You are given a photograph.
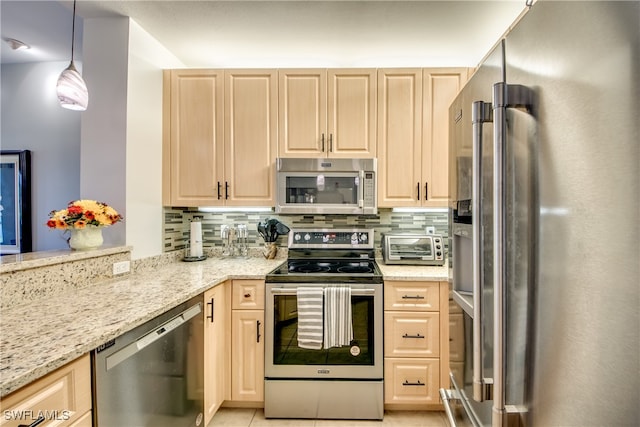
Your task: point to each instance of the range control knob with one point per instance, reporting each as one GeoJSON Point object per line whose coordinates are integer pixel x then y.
{"type": "Point", "coordinates": [364, 237]}
{"type": "Point", "coordinates": [307, 237]}
{"type": "Point", "coordinates": [297, 237]}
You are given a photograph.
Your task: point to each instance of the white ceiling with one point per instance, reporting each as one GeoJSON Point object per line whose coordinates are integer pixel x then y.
{"type": "Point", "coordinates": [208, 33]}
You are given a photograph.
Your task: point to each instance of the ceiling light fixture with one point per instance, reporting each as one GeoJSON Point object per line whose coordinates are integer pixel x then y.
{"type": "Point", "coordinates": [17, 44]}
{"type": "Point", "coordinates": [72, 91]}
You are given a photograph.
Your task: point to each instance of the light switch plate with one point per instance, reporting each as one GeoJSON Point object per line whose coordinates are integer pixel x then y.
{"type": "Point", "coordinates": [431, 229]}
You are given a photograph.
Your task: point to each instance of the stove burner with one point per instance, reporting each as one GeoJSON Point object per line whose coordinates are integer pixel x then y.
{"type": "Point", "coordinates": [307, 269]}
{"type": "Point", "coordinates": [355, 268]}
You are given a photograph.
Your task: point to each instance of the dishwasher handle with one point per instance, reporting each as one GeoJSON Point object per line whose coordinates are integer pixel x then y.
{"type": "Point", "coordinates": [128, 351]}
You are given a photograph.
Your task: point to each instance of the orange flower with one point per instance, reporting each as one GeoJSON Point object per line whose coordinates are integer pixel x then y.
{"type": "Point", "coordinates": [80, 224]}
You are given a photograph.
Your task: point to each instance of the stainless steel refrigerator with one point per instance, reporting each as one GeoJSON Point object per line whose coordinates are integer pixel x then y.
{"type": "Point", "coordinates": [545, 268]}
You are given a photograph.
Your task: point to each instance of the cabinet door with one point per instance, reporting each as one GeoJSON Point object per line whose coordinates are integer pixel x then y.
{"type": "Point", "coordinates": [302, 108]}
{"type": "Point", "coordinates": [351, 118]}
{"type": "Point", "coordinates": [64, 393]}
{"type": "Point", "coordinates": [247, 355]}
{"type": "Point", "coordinates": [196, 136]}
{"type": "Point", "coordinates": [440, 89]}
{"type": "Point", "coordinates": [250, 137]}
{"type": "Point", "coordinates": [399, 137]}
{"type": "Point", "coordinates": [215, 345]}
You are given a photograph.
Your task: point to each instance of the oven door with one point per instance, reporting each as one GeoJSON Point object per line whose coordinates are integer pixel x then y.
{"type": "Point", "coordinates": [285, 359]}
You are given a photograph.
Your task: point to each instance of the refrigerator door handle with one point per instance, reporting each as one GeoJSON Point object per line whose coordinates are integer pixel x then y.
{"type": "Point", "coordinates": [504, 96]}
{"type": "Point", "coordinates": [480, 113]}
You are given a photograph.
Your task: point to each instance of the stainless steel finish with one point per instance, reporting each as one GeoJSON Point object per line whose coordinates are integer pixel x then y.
{"type": "Point", "coordinates": [149, 338]}
{"type": "Point", "coordinates": [365, 238]}
{"type": "Point", "coordinates": [292, 291]}
{"type": "Point", "coordinates": [506, 96]}
{"type": "Point", "coordinates": [446, 396]}
{"type": "Point", "coordinates": [148, 376]}
{"type": "Point", "coordinates": [324, 399]}
{"type": "Point", "coordinates": [585, 300]}
{"type": "Point", "coordinates": [481, 113]}
{"type": "Point", "coordinates": [567, 168]}
{"type": "Point", "coordinates": [353, 372]}
{"type": "Point", "coordinates": [362, 171]}
{"type": "Point", "coordinates": [407, 248]}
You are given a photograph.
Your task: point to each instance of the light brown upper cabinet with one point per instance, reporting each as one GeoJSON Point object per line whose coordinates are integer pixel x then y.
{"type": "Point", "coordinates": [327, 113]}
{"type": "Point", "coordinates": [193, 137]}
{"type": "Point", "coordinates": [250, 136]}
{"type": "Point", "coordinates": [413, 111]}
{"type": "Point", "coordinates": [221, 144]}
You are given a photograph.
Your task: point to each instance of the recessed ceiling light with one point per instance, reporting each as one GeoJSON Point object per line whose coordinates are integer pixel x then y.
{"type": "Point", "coordinates": [17, 44]}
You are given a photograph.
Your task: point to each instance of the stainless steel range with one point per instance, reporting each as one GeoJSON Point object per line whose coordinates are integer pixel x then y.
{"type": "Point", "coordinates": [323, 328]}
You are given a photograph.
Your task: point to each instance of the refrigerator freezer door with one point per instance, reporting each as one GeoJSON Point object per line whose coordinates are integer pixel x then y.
{"type": "Point", "coordinates": [582, 60]}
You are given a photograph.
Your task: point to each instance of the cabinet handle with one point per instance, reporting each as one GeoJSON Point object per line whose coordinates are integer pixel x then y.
{"type": "Point", "coordinates": [323, 142]}
{"type": "Point", "coordinates": [258, 331]}
{"type": "Point", "coordinates": [426, 193]}
{"type": "Point", "coordinates": [211, 316]}
{"type": "Point", "coordinates": [247, 295]}
{"type": "Point", "coordinates": [419, 383]}
{"type": "Point", "coordinates": [37, 422]}
{"type": "Point", "coordinates": [331, 143]}
{"type": "Point", "coordinates": [412, 297]}
{"type": "Point", "coordinates": [418, 187]}
{"type": "Point", "coordinates": [219, 187]}
{"type": "Point", "coordinates": [226, 190]}
{"type": "Point", "coordinates": [413, 336]}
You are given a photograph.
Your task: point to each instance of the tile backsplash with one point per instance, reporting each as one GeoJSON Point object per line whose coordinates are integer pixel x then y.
{"type": "Point", "coordinates": [177, 224]}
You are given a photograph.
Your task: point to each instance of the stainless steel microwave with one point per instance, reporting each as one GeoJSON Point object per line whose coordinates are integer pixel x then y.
{"type": "Point", "coordinates": [326, 186]}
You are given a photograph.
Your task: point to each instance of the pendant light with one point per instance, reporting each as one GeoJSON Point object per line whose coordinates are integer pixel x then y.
{"type": "Point", "coordinates": [71, 89]}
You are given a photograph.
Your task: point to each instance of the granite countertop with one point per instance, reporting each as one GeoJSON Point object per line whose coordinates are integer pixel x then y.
{"type": "Point", "coordinates": [39, 338]}
{"type": "Point", "coordinates": [414, 272]}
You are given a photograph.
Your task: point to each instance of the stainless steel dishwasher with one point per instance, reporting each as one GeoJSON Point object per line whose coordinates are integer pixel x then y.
{"type": "Point", "coordinates": [153, 374]}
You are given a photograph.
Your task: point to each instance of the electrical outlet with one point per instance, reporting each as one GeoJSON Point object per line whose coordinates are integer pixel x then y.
{"type": "Point", "coordinates": [121, 267]}
{"type": "Point", "coordinates": [431, 229]}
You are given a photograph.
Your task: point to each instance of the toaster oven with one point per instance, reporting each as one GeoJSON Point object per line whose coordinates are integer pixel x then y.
{"type": "Point", "coordinates": [413, 249]}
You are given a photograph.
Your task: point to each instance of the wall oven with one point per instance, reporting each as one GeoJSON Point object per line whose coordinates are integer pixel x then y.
{"type": "Point", "coordinates": [329, 381]}
{"type": "Point", "coordinates": [326, 186]}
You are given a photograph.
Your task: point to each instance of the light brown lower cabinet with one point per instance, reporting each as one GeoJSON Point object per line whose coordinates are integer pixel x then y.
{"type": "Point", "coordinates": [416, 348]}
{"type": "Point", "coordinates": [216, 349]}
{"type": "Point", "coordinates": [62, 397]}
{"type": "Point", "coordinates": [247, 342]}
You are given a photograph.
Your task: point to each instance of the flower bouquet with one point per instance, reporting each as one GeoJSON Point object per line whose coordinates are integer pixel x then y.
{"type": "Point", "coordinates": [84, 219]}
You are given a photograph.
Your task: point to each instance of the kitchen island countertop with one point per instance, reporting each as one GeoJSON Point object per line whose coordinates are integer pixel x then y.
{"type": "Point", "coordinates": [38, 338]}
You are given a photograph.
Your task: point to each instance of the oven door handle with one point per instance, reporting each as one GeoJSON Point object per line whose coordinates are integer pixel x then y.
{"type": "Point", "coordinates": [292, 291]}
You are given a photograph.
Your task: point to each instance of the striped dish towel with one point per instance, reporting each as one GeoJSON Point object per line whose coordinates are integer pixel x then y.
{"type": "Point", "coordinates": [310, 318]}
{"type": "Point", "coordinates": [338, 325]}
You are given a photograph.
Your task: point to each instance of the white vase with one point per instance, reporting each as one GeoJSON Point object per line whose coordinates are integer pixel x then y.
{"type": "Point", "coordinates": [87, 238]}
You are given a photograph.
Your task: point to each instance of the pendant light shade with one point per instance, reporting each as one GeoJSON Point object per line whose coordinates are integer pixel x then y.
{"type": "Point", "coordinates": [71, 89]}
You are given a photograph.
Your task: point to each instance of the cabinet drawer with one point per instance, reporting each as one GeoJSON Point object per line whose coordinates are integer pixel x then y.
{"type": "Point", "coordinates": [412, 296]}
{"type": "Point", "coordinates": [248, 295]}
{"type": "Point", "coordinates": [411, 334]}
{"type": "Point", "coordinates": [411, 381]}
{"type": "Point", "coordinates": [456, 338]}
{"type": "Point", "coordinates": [63, 395]}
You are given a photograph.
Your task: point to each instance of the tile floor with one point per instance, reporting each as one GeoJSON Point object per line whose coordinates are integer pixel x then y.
{"type": "Point", "coordinates": [234, 417]}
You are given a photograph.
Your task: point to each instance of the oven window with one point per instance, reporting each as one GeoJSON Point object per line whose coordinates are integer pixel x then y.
{"type": "Point", "coordinates": [412, 247]}
{"type": "Point", "coordinates": [287, 352]}
{"type": "Point", "coordinates": [323, 189]}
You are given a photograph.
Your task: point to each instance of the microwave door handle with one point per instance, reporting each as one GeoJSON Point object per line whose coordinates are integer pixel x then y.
{"type": "Point", "coordinates": [480, 113]}
{"type": "Point", "coordinates": [361, 190]}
